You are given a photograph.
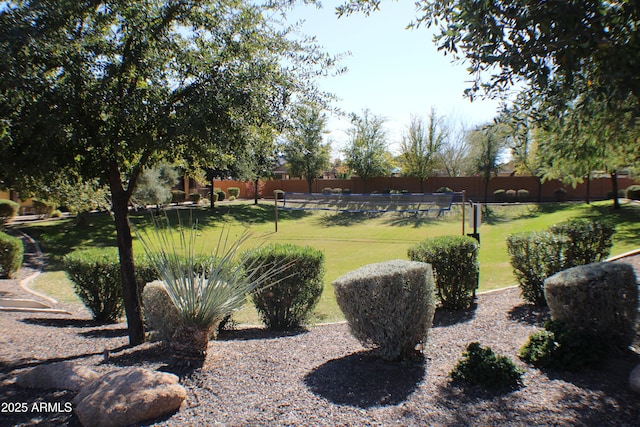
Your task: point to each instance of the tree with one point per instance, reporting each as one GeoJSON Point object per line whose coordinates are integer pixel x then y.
{"type": "Point", "coordinates": [304, 151]}
{"type": "Point", "coordinates": [421, 145]}
{"type": "Point", "coordinates": [453, 156]}
{"type": "Point", "coordinates": [155, 183]}
{"type": "Point", "coordinates": [113, 87]}
{"type": "Point", "coordinates": [487, 148]}
{"type": "Point", "coordinates": [366, 153]}
{"type": "Point", "coordinates": [259, 158]}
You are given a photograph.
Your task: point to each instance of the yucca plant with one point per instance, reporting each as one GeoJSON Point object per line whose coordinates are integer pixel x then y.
{"type": "Point", "coordinates": [203, 289]}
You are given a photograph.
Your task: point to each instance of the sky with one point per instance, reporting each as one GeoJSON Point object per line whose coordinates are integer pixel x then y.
{"type": "Point", "coordinates": [392, 71]}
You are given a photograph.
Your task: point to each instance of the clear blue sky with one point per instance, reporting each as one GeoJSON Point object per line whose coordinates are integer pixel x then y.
{"type": "Point", "coordinates": [392, 71]}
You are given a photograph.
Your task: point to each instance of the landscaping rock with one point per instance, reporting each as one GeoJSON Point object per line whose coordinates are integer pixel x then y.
{"type": "Point", "coordinates": [634, 379]}
{"type": "Point", "coordinates": [60, 375]}
{"type": "Point", "coordinates": [128, 396]}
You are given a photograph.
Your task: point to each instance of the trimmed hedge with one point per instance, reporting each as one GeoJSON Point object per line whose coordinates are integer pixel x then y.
{"type": "Point", "coordinates": [633, 192]}
{"type": "Point", "coordinates": [454, 260]}
{"type": "Point", "coordinates": [11, 255]}
{"type": "Point", "coordinates": [522, 195]}
{"type": "Point", "coordinates": [42, 207]}
{"type": "Point", "coordinates": [389, 306]}
{"type": "Point", "coordinates": [234, 192]}
{"type": "Point", "coordinates": [587, 241]}
{"type": "Point", "coordinates": [195, 197]}
{"type": "Point", "coordinates": [8, 210]}
{"type": "Point", "coordinates": [287, 304]}
{"type": "Point", "coordinates": [178, 196]}
{"type": "Point", "coordinates": [95, 274]}
{"type": "Point", "coordinates": [500, 195]}
{"type": "Point", "coordinates": [599, 300]}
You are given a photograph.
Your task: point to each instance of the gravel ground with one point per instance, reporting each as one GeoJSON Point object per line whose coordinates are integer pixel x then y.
{"type": "Point", "coordinates": [323, 376]}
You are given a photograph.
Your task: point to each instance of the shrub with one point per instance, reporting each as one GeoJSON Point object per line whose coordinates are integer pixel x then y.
{"type": "Point", "coordinates": [177, 196]}
{"type": "Point", "coordinates": [231, 198]}
{"type": "Point", "coordinates": [444, 190]}
{"type": "Point", "coordinates": [633, 192]}
{"type": "Point", "coordinates": [8, 210]}
{"type": "Point", "coordinates": [289, 301]}
{"type": "Point", "coordinates": [510, 195]}
{"type": "Point", "coordinates": [586, 241]}
{"type": "Point", "coordinates": [42, 208]}
{"type": "Point", "coordinates": [234, 192]}
{"type": "Point", "coordinates": [454, 260]}
{"type": "Point", "coordinates": [499, 195]}
{"type": "Point", "coordinates": [327, 190]}
{"type": "Point", "coordinates": [599, 299]}
{"type": "Point", "coordinates": [346, 191]}
{"type": "Point", "coordinates": [389, 306]}
{"type": "Point", "coordinates": [558, 347]}
{"type": "Point", "coordinates": [195, 197]}
{"type": "Point", "coordinates": [522, 195]}
{"type": "Point", "coordinates": [336, 190]}
{"type": "Point", "coordinates": [221, 195]}
{"type": "Point", "coordinates": [160, 314]}
{"type": "Point", "coordinates": [560, 195]}
{"type": "Point", "coordinates": [534, 257]}
{"type": "Point", "coordinates": [481, 366]}
{"type": "Point", "coordinates": [95, 274]}
{"type": "Point", "coordinates": [11, 254]}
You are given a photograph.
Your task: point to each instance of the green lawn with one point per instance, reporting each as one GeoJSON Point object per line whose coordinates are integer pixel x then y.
{"type": "Point", "coordinates": [348, 240]}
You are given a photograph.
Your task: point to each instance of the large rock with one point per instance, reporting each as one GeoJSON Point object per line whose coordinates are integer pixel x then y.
{"type": "Point", "coordinates": [60, 375]}
{"type": "Point", "coordinates": [128, 396]}
{"type": "Point", "coordinates": [634, 379]}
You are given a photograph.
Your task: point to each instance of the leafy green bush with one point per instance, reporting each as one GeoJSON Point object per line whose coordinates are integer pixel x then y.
{"type": "Point", "coordinates": [288, 302]}
{"type": "Point", "coordinates": [499, 195]}
{"type": "Point", "coordinates": [221, 195]}
{"type": "Point", "coordinates": [346, 191]}
{"type": "Point", "coordinates": [522, 195]}
{"type": "Point", "coordinates": [534, 257]}
{"type": "Point", "coordinates": [177, 196]}
{"type": "Point", "coordinates": [336, 190]}
{"type": "Point", "coordinates": [389, 306]}
{"type": "Point", "coordinates": [42, 207]}
{"type": "Point", "coordinates": [95, 274]}
{"type": "Point", "coordinates": [195, 197]}
{"type": "Point", "coordinates": [11, 254]}
{"type": "Point", "coordinates": [454, 260]}
{"type": "Point", "coordinates": [8, 210]}
{"type": "Point", "coordinates": [234, 192]}
{"type": "Point", "coordinates": [559, 347]}
{"type": "Point", "coordinates": [510, 195]}
{"type": "Point", "coordinates": [481, 366]}
{"type": "Point", "coordinates": [586, 241]}
{"type": "Point", "coordinates": [633, 192]}
{"type": "Point", "coordinates": [560, 195]}
{"type": "Point", "coordinates": [327, 190]}
{"type": "Point", "coordinates": [599, 300]}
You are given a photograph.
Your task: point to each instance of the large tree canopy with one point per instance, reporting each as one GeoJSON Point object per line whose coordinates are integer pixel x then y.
{"type": "Point", "coordinates": [105, 88]}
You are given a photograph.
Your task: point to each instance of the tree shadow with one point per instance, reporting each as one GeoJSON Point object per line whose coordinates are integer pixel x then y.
{"type": "Point", "coordinates": [344, 219]}
{"type": "Point", "coordinates": [417, 220]}
{"type": "Point", "coordinates": [62, 323]}
{"type": "Point", "coordinates": [105, 333]}
{"type": "Point", "coordinates": [248, 334]}
{"type": "Point", "coordinates": [364, 381]}
{"type": "Point", "coordinates": [443, 317]}
{"type": "Point", "coordinates": [529, 314]}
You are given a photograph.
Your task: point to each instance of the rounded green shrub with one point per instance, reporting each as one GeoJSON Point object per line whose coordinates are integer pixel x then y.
{"type": "Point", "coordinates": [221, 195]}
{"type": "Point", "coordinates": [599, 299]}
{"type": "Point", "coordinates": [560, 195]}
{"type": "Point", "coordinates": [195, 197]}
{"type": "Point", "coordinates": [454, 260]}
{"type": "Point", "coordinates": [288, 302]}
{"type": "Point", "coordinates": [586, 241]}
{"type": "Point", "coordinates": [389, 306]}
{"type": "Point", "coordinates": [8, 210]}
{"type": "Point", "coordinates": [178, 196]}
{"type": "Point", "coordinates": [160, 314]}
{"type": "Point", "coordinates": [633, 192]}
{"type": "Point", "coordinates": [234, 192]}
{"type": "Point", "coordinates": [499, 195]}
{"type": "Point", "coordinates": [510, 195]}
{"type": "Point", "coordinates": [535, 256]}
{"type": "Point", "coordinates": [522, 195]}
{"type": "Point", "coordinates": [327, 191]}
{"type": "Point", "coordinates": [481, 366]}
{"type": "Point", "coordinates": [95, 274]}
{"type": "Point", "coordinates": [11, 255]}
{"type": "Point", "coordinates": [336, 190]}
{"type": "Point", "coordinates": [42, 207]}
{"type": "Point", "coordinates": [346, 191]}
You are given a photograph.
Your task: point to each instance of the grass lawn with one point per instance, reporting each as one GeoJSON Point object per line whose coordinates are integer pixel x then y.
{"type": "Point", "coordinates": [348, 240]}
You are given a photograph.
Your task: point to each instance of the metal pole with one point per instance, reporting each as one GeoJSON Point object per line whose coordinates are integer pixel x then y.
{"type": "Point", "coordinates": [275, 198]}
{"type": "Point", "coordinates": [464, 208]}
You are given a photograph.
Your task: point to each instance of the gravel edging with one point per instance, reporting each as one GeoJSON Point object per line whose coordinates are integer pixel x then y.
{"type": "Point", "coordinates": [323, 376]}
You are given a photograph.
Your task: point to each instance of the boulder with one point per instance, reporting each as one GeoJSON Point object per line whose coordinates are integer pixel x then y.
{"type": "Point", "coordinates": [634, 379]}
{"type": "Point", "coordinates": [128, 396]}
{"type": "Point", "coordinates": [61, 375]}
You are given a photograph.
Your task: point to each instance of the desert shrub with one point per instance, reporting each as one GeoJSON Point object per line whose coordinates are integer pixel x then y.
{"type": "Point", "coordinates": [510, 195]}
{"type": "Point", "coordinates": [234, 192]}
{"type": "Point", "coordinates": [389, 306]}
{"type": "Point", "coordinates": [633, 192]}
{"type": "Point", "coordinates": [444, 190]}
{"type": "Point", "coordinates": [231, 198]}
{"type": "Point", "coordinates": [95, 274]}
{"type": "Point", "coordinates": [178, 196]}
{"type": "Point", "coordinates": [56, 214]}
{"type": "Point", "coordinates": [599, 299]}
{"type": "Point", "coordinates": [499, 195]}
{"type": "Point", "coordinates": [221, 195]}
{"type": "Point", "coordinates": [559, 347]}
{"type": "Point", "coordinates": [287, 303]}
{"type": "Point", "coordinates": [346, 191]}
{"type": "Point", "coordinates": [11, 254]}
{"type": "Point", "coordinates": [42, 207]}
{"type": "Point", "coordinates": [522, 195]}
{"type": "Point", "coordinates": [560, 195]}
{"type": "Point", "coordinates": [336, 190]}
{"type": "Point", "coordinates": [195, 197]}
{"type": "Point", "coordinates": [327, 190]}
{"type": "Point", "coordinates": [481, 366]}
{"type": "Point", "coordinates": [454, 260]}
{"type": "Point", "coordinates": [8, 210]}
{"type": "Point", "coordinates": [160, 314]}
{"type": "Point", "coordinates": [586, 241]}
{"type": "Point", "coordinates": [535, 256]}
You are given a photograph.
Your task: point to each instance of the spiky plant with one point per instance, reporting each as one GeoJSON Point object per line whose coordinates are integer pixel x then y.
{"type": "Point", "coordinates": [203, 289]}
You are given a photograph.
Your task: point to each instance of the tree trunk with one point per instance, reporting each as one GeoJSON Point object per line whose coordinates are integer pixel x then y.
{"type": "Point", "coordinates": [539, 189]}
{"type": "Point", "coordinates": [588, 196]}
{"type": "Point", "coordinates": [255, 191]}
{"type": "Point", "coordinates": [614, 188]}
{"type": "Point", "coordinates": [310, 184]}
{"type": "Point", "coordinates": [120, 200]}
{"type": "Point", "coordinates": [189, 345]}
{"type": "Point", "coordinates": [422, 185]}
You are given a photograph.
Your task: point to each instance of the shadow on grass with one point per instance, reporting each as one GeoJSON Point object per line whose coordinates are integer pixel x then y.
{"type": "Point", "coordinates": [344, 219]}
{"type": "Point", "coordinates": [529, 314]}
{"type": "Point", "coordinates": [364, 381]}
